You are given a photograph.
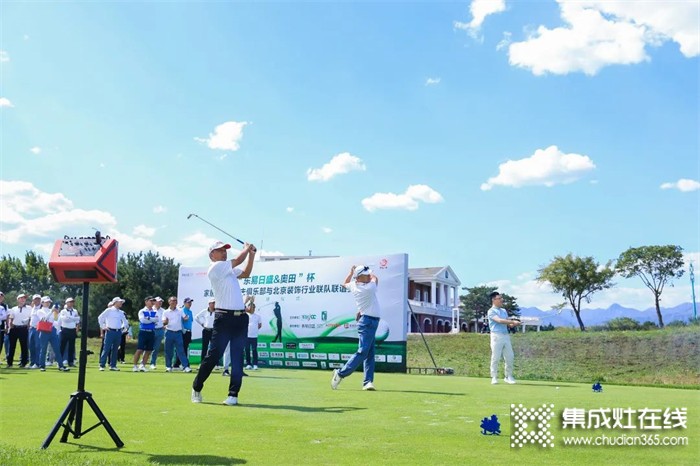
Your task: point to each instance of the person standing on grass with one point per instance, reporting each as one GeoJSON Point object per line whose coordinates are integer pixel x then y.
{"type": "Point", "coordinates": [363, 284]}
{"type": "Point", "coordinates": [205, 318]}
{"type": "Point", "coordinates": [3, 322]}
{"type": "Point", "coordinates": [186, 329]}
{"type": "Point", "coordinates": [70, 325]}
{"type": "Point", "coordinates": [47, 314]}
{"type": "Point", "coordinates": [159, 331]}
{"type": "Point", "coordinates": [147, 338]}
{"type": "Point", "coordinates": [172, 320]}
{"type": "Point", "coordinates": [17, 322]}
{"type": "Point", "coordinates": [112, 321]}
{"type": "Point", "coordinates": [254, 324]}
{"type": "Point", "coordinates": [231, 321]}
{"type": "Point", "coordinates": [500, 338]}
{"type": "Point", "coordinates": [34, 344]}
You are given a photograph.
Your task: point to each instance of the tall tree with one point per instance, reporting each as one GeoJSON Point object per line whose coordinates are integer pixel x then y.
{"type": "Point", "coordinates": [476, 303]}
{"type": "Point", "coordinates": [655, 265]}
{"type": "Point", "coordinates": [146, 274]}
{"type": "Point", "coordinates": [576, 278]}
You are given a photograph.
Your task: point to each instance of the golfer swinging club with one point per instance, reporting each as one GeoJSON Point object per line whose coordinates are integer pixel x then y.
{"type": "Point", "coordinates": [230, 319]}
{"type": "Point", "coordinates": [363, 286]}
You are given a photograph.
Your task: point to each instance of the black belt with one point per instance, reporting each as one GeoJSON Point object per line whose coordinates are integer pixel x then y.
{"type": "Point", "coordinates": [67, 328]}
{"type": "Point", "coordinates": [20, 326]}
{"type": "Point", "coordinates": [115, 329]}
{"type": "Point", "coordinates": [235, 312]}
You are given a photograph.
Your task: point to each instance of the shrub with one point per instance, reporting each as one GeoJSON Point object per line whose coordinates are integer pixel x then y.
{"type": "Point", "coordinates": [676, 323]}
{"type": "Point", "coordinates": [623, 323]}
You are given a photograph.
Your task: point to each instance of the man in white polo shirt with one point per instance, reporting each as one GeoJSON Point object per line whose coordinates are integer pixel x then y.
{"type": "Point", "coordinates": [17, 328]}
{"type": "Point", "coordinates": [231, 321]}
{"type": "Point", "coordinates": [112, 321]}
{"type": "Point", "coordinates": [363, 286]}
{"type": "Point", "coordinates": [172, 320]}
{"type": "Point", "coordinates": [34, 343]}
{"type": "Point", "coordinates": [205, 318]}
{"type": "Point", "coordinates": [70, 324]}
{"type": "Point", "coordinates": [159, 331]}
{"type": "Point", "coordinates": [500, 338]}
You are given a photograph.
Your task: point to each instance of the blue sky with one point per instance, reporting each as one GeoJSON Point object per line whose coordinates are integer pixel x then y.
{"type": "Point", "coordinates": [488, 135]}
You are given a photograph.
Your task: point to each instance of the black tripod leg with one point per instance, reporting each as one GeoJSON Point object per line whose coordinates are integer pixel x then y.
{"type": "Point", "coordinates": [117, 441]}
{"type": "Point", "coordinates": [71, 417]}
{"type": "Point", "coordinates": [68, 412]}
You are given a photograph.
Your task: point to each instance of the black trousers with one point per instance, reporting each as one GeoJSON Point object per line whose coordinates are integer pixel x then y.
{"type": "Point", "coordinates": [121, 352]}
{"type": "Point", "coordinates": [186, 340]}
{"type": "Point", "coordinates": [251, 347]}
{"type": "Point", "coordinates": [68, 336]}
{"type": "Point", "coordinates": [228, 329]}
{"type": "Point", "coordinates": [206, 338]}
{"type": "Point", "coordinates": [21, 334]}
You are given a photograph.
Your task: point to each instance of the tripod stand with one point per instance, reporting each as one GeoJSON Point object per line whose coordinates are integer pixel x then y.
{"type": "Point", "coordinates": [422, 336]}
{"type": "Point", "coordinates": [74, 409]}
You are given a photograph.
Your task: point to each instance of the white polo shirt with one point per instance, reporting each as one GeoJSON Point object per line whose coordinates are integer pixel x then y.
{"type": "Point", "coordinates": [224, 281]}
{"type": "Point", "coordinates": [112, 318]}
{"type": "Point", "coordinates": [365, 297]}
{"type": "Point", "coordinates": [33, 317]}
{"type": "Point", "coordinates": [69, 318]}
{"type": "Point", "coordinates": [20, 315]}
{"type": "Point", "coordinates": [174, 317]}
{"type": "Point", "coordinates": [205, 318]}
{"type": "Point", "coordinates": [159, 316]}
{"type": "Point", "coordinates": [253, 322]}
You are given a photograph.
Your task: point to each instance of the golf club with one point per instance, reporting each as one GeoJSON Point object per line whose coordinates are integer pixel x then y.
{"type": "Point", "coordinates": [209, 223]}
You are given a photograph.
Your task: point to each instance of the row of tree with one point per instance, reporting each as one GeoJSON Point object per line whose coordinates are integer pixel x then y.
{"type": "Point", "coordinates": [144, 274]}
{"type": "Point", "coordinates": [578, 278]}
{"type": "Point", "coordinates": [140, 275]}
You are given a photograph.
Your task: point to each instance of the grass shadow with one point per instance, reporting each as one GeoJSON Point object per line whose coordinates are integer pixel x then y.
{"type": "Point", "coordinates": [194, 459]}
{"type": "Point", "coordinates": [305, 409]}
{"type": "Point", "coordinates": [424, 392]}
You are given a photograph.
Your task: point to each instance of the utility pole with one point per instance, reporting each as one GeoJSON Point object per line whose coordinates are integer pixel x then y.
{"type": "Point", "coordinates": [692, 288]}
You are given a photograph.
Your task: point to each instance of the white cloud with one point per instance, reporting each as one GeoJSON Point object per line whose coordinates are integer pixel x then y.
{"type": "Point", "coordinates": [226, 136]}
{"type": "Point", "coordinates": [144, 231]}
{"type": "Point", "coordinates": [685, 185]}
{"type": "Point", "coordinates": [159, 209]}
{"type": "Point", "coordinates": [546, 167]}
{"type": "Point", "coordinates": [290, 209]}
{"type": "Point", "coordinates": [432, 81]}
{"type": "Point", "coordinates": [505, 41]}
{"type": "Point", "coordinates": [327, 230]}
{"type": "Point", "coordinates": [406, 201]}
{"type": "Point", "coordinates": [4, 56]}
{"type": "Point", "coordinates": [479, 10]}
{"type": "Point", "coordinates": [35, 150]}
{"type": "Point", "coordinates": [29, 214]}
{"type": "Point", "coordinates": [340, 164]}
{"type": "Point", "coordinates": [603, 33]}
{"type": "Point", "coordinates": [5, 102]}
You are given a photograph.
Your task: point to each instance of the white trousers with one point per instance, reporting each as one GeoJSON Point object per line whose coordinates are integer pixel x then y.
{"type": "Point", "coordinates": [500, 345]}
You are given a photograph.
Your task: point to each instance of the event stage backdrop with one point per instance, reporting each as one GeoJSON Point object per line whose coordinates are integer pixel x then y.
{"type": "Point", "coordinates": [316, 314]}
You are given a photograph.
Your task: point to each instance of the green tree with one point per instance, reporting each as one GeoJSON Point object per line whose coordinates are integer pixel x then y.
{"type": "Point", "coordinates": [576, 278]}
{"type": "Point", "coordinates": [11, 277]}
{"type": "Point", "coordinates": [145, 274]}
{"type": "Point", "coordinates": [655, 265]}
{"type": "Point", "coordinates": [476, 303]}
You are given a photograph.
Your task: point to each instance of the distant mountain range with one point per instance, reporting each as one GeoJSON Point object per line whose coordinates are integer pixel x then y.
{"type": "Point", "coordinates": [566, 317]}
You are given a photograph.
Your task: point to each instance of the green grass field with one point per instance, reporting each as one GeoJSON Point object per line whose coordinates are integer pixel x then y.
{"type": "Point", "coordinates": [293, 417]}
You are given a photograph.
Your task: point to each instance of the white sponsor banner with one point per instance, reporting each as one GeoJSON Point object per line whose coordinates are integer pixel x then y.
{"type": "Point", "coordinates": [306, 299]}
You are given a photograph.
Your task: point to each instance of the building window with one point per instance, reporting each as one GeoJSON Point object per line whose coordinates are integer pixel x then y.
{"type": "Point", "coordinates": [417, 297]}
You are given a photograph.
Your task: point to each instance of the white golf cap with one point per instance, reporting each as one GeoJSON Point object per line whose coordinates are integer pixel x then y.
{"type": "Point", "coordinates": [361, 270]}
{"type": "Point", "coordinates": [219, 245]}
{"type": "Point", "coordinates": [117, 300]}
{"type": "Point", "coordinates": [36, 296]}
{"type": "Point", "coordinates": [69, 300]}
{"type": "Point", "coordinates": [159, 299]}
{"type": "Point", "coordinates": [211, 300]}
{"type": "Point", "coordinates": [21, 295]}
{"type": "Point", "coordinates": [46, 299]}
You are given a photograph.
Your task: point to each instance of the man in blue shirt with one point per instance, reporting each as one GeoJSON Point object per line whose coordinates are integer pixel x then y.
{"type": "Point", "coordinates": [186, 329]}
{"type": "Point", "coordinates": [500, 338]}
